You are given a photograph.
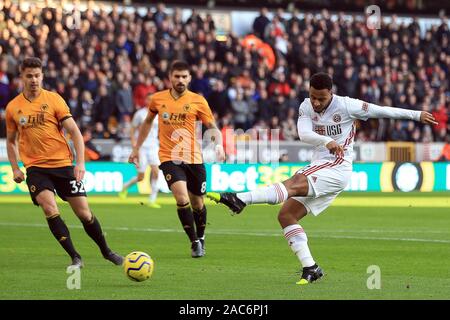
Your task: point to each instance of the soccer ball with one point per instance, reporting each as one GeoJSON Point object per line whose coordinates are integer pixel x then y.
{"type": "Point", "coordinates": [138, 266]}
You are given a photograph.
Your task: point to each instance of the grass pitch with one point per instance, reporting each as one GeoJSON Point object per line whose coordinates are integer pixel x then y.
{"type": "Point", "coordinates": [406, 235]}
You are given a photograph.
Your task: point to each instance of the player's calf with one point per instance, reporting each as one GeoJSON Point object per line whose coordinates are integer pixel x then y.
{"type": "Point", "coordinates": [62, 235]}
{"type": "Point", "coordinates": [94, 230]}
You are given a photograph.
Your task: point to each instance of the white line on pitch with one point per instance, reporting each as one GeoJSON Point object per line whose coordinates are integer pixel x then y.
{"type": "Point", "coordinates": [224, 232]}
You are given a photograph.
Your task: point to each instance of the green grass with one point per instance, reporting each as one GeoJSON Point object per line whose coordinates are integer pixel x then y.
{"type": "Point", "coordinates": [247, 256]}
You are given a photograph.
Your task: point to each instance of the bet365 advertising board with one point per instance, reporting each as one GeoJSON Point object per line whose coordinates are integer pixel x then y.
{"type": "Point", "coordinates": [109, 177]}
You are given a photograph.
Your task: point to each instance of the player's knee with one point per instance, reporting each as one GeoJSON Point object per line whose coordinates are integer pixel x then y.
{"type": "Point", "coordinates": [197, 205]}
{"type": "Point", "coordinates": [84, 215]}
{"type": "Point", "coordinates": [298, 185]}
{"type": "Point", "coordinates": [154, 174]}
{"type": "Point", "coordinates": [50, 209]}
{"type": "Point", "coordinates": [182, 200]}
{"type": "Point", "coordinates": [140, 177]}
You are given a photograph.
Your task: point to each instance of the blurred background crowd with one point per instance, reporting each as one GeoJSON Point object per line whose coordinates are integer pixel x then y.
{"type": "Point", "coordinates": [104, 63]}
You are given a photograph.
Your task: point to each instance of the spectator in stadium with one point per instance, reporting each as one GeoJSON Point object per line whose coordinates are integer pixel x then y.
{"type": "Point", "coordinates": [289, 129]}
{"type": "Point", "coordinates": [260, 23]}
{"type": "Point", "coordinates": [278, 106]}
{"type": "Point", "coordinates": [398, 133]}
{"type": "Point", "coordinates": [141, 89]}
{"type": "Point", "coordinates": [200, 83]}
{"type": "Point", "coordinates": [124, 101]}
{"type": "Point", "coordinates": [284, 157]}
{"type": "Point", "coordinates": [275, 29]}
{"type": "Point", "coordinates": [441, 114]}
{"type": "Point", "coordinates": [159, 16]}
{"type": "Point", "coordinates": [5, 91]}
{"type": "Point", "coordinates": [103, 107]}
{"type": "Point", "coordinates": [275, 131]}
{"type": "Point", "coordinates": [218, 99]}
{"type": "Point", "coordinates": [357, 59]}
{"type": "Point", "coordinates": [279, 85]}
{"type": "Point", "coordinates": [74, 102]}
{"type": "Point", "coordinates": [445, 154]}
{"type": "Point", "coordinates": [86, 115]}
{"type": "Point", "coordinates": [91, 152]}
{"type": "Point", "coordinates": [242, 111]}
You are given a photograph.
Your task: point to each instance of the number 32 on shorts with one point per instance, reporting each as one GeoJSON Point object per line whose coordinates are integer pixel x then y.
{"type": "Point", "coordinates": [77, 186]}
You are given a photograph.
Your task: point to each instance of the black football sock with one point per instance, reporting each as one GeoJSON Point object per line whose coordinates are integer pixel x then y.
{"type": "Point", "coordinates": [200, 221]}
{"type": "Point", "coordinates": [187, 220]}
{"type": "Point", "coordinates": [94, 230]}
{"type": "Point", "coordinates": [61, 232]}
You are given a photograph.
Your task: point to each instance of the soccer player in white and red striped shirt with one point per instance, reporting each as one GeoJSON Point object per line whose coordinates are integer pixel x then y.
{"type": "Point", "coordinates": [326, 121]}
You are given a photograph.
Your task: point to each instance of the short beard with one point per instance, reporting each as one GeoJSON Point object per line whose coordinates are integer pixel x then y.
{"type": "Point", "coordinates": [178, 90]}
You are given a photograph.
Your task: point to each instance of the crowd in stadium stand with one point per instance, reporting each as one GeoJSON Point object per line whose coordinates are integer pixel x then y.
{"type": "Point", "coordinates": [104, 63]}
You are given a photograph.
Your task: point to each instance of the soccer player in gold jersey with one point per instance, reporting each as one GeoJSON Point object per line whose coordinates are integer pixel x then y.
{"type": "Point", "coordinates": [180, 152]}
{"type": "Point", "coordinates": [36, 119]}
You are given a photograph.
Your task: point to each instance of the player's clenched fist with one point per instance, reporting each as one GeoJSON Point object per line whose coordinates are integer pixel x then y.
{"type": "Point", "coordinates": [335, 149]}
{"type": "Point", "coordinates": [18, 176]}
{"type": "Point", "coordinates": [134, 157]}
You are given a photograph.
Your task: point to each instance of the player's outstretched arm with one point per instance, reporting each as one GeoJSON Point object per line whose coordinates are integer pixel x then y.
{"type": "Point", "coordinates": [359, 109]}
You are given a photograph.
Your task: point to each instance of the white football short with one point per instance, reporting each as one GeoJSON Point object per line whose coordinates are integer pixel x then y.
{"type": "Point", "coordinates": [327, 179]}
{"type": "Point", "coordinates": [148, 157]}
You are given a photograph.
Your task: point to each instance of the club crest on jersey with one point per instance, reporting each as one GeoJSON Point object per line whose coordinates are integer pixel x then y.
{"type": "Point", "coordinates": [44, 107]}
{"type": "Point", "coordinates": [23, 121]}
{"type": "Point", "coordinates": [166, 116]}
{"type": "Point", "coordinates": [168, 177]}
{"type": "Point", "coordinates": [33, 188]}
{"type": "Point", "coordinates": [337, 118]}
{"type": "Point", "coordinates": [365, 107]}
{"type": "Point", "coordinates": [186, 107]}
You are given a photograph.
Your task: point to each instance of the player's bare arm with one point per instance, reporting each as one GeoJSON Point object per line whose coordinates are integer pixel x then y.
{"type": "Point", "coordinates": [143, 133]}
{"type": "Point", "coordinates": [217, 136]}
{"type": "Point", "coordinates": [133, 129]}
{"type": "Point", "coordinates": [13, 156]}
{"type": "Point", "coordinates": [75, 134]}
